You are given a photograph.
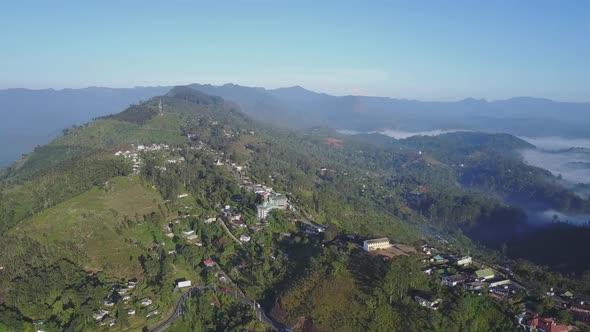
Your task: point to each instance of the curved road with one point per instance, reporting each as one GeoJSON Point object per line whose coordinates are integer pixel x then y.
{"type": "Point", "coordinates": [195, 291]}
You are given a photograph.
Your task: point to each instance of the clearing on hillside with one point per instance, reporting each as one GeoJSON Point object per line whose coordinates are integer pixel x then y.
{"type": "Point", "coordinates": [97, 224]}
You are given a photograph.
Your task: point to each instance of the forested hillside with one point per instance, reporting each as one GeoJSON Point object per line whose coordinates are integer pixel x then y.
{"type": "Point", "coordinates": [100, 225]}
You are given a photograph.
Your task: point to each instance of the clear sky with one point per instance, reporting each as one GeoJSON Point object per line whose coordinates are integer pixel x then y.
{"type": "Point", "coordinates": [429, 50]}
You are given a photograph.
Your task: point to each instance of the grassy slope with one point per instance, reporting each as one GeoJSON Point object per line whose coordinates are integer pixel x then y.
{"type": "Point", "coordinates": [90, 222]}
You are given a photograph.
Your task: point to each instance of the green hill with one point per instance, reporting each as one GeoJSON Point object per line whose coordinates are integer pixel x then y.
{"type": "Point", "coordinates": [105, 226]}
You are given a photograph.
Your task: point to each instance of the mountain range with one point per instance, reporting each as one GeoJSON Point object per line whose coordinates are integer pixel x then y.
{"type": "Point", "coordinates": [55, 110]}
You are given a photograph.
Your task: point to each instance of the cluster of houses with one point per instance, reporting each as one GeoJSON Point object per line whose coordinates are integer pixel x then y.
{"type": "Point", "coordinates": [120, 293]}
{"type": "Point", "coordinates": [462, 271]}
{"type": "Point", "coordinates": [236, 222]}
{"type": "Point", "coordinates": [579, 307]}
{"type": "Point", "coordinates": [534, 323]}
{"type": "Point", "coordinates": [133, 154]}
{"type": "Point", "coordinates": [134, 157]}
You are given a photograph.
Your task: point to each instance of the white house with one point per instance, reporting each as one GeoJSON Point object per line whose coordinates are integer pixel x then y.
{"type": "Point", "coordinates": [183, 284]}
{"type": "Point", "coordinates": [188, 232]}
{"type": "Point", "coordinates": [245, 238]}
{"type": "Point", "coordinates": [131, 312]}
{"type": "Point", "coordinates": [152, 313]}
{"type": "Point", "coordinates": [99, 314]}
{"type": "Point", "coordinates": [146, 302]}
{"type": "Point", "coordinates": [182, 195]}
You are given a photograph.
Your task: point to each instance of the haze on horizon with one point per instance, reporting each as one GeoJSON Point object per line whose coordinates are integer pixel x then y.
{"type": "Point", "coordinates": [417, 50]}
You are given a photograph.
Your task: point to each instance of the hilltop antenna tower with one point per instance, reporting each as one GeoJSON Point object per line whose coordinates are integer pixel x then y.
{"type": "Point", "coordinates": [160, 106]}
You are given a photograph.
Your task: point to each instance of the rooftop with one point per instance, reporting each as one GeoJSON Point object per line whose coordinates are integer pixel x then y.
{"type": "Point", "coordinates": [383, 239]}
{"type": "Point", "coordinates": [484, 273]}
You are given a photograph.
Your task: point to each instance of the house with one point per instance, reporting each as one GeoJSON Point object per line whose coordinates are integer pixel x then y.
{"type": "Point", "coordinates": [438, 259]}
{"type": "Point", "coordinates": [238, 224]}
{"type": "Point", "coordinates": [108, 303]}
{"type": "Point", "coordinates": [245, 238]}
{"type": "Point", "coordinates": [183, 284]}
{"type": "Point", "coordinates": [495, 282]}
{"type": "Point", "coordinates": [188, 232]}
{"type": "Point", "coordinates": [170, 235]}
{"type": "Point", "coordinates": [580, 313]}
{"type": "Point", "coordinates": [126, 298]}
{"type": "Point", "coordinates": [209, 262]}
{"type": "Point", "coordinates": [182, 196]}
{"type": "Point", "coordinates": [99, 314]}
{"type": "Point", "coordinates": [453, 280]}
{"type": "Point", "coordinates": [567, 295]}
{"type": "Point", "coordinates": [473, 286]}
{"type": "Point", "coordinates": [131, 284]}
{"type": "Point", "coordinates": [376, 244]}
{"type": "Point", "coordinates": [171, 252]}
{"type": "Point", "coordinates": [131, 312]}
{"type": "Point", "coordinates": [484, 274]}
{"type": "Point", "coordinates": [146, 302]}
{"type": "Point", "coordinates": [541, 324]}
{"type": "Point", "coordinates": [192, 237]}
{"type": "Point", "coordinates": [209, 220]}
{"type": "Point", "coordinates": [463, 261]}
{"type": "Point", "coordinates": [427, 303]}
{"type": "Point", "coordinates": [152, 313]}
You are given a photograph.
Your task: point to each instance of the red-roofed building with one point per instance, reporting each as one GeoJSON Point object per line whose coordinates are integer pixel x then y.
{"type": "Point", "coordinates": [541, 324]}
{"type": "Point", "coordinates": [209, 262]}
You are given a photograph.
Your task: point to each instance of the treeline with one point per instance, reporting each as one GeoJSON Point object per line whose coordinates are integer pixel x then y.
{"type": "Point", "coordinates": [351, 292]}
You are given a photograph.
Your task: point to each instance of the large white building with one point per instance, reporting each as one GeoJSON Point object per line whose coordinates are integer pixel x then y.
{"type": "Point", "coordinates": [464, 261]}
{"type": "Point", "coordinates": [184, 283]}
{"type": "Point", "coordinates": [376, 244]}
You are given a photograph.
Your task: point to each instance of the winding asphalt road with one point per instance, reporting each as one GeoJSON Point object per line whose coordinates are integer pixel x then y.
{"type": "Point", "coordinates": [195, 291]}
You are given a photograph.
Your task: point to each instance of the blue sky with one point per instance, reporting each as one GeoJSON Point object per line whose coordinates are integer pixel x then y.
{"type": "Point", "coordinates": [428, 50]}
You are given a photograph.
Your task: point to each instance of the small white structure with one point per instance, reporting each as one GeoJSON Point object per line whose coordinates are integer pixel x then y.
{"type": "Point", "coordinates": [210, 220]}
{"type": "Point", "coordinates": [108, 303]}
{"type": "Point", "coordinates": [192, 237]}
{"type": "Point", "coordinates": [245, 238]}
{"type": "Point", "coordinates": [131, 312]}
{"type": "Point", "coordinates": [99, 314]}
{"type": "Point", "coordinates": [376, 244]}
{"type": "Point", "coordinates": [152, 313]}
{"type": "Point", "coordinates": [146, 302]}
{"type": "Point", "coordinates": [188, 232]}
{"type": "Point", "coordinates": [183, 284]}
{"type": "Point", "coordinates": [182, 195]}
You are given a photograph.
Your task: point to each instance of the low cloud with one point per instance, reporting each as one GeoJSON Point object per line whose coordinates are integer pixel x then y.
{"type": "Point", "coordinates": [551, 216]}
{"type": "Point", "coordinates": [557, 143]}
{"type": "Point", "coordinates": [569, 158]}
{"type": "Point", "coordinates": [399, 134]}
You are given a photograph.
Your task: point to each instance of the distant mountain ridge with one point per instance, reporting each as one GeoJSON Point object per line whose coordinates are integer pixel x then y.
{"type": "Point", "coordinates": [36, 116]}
